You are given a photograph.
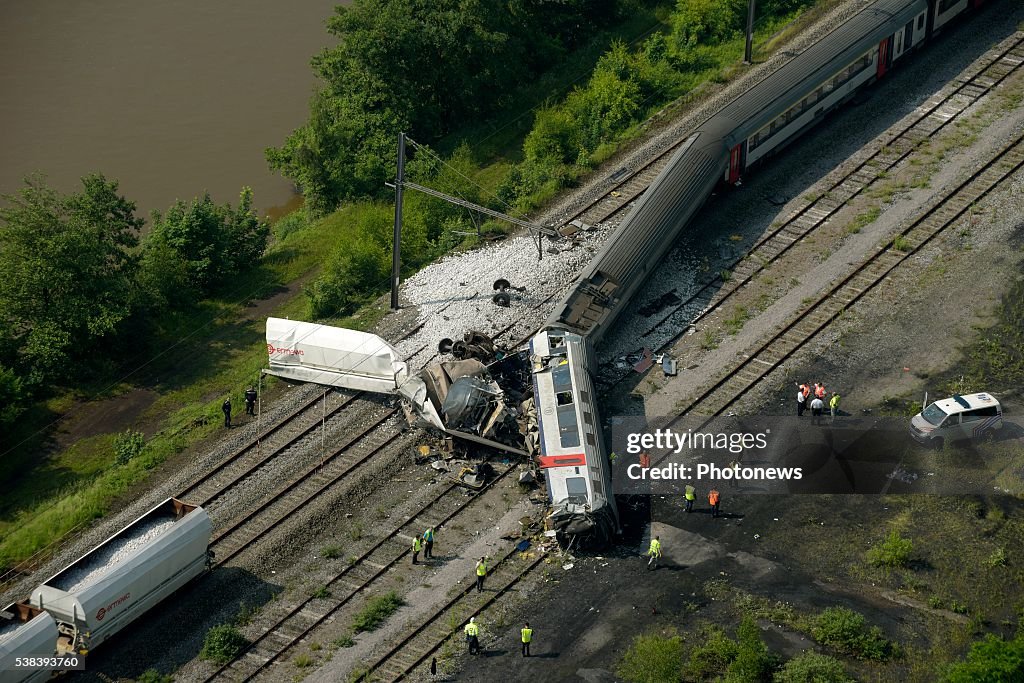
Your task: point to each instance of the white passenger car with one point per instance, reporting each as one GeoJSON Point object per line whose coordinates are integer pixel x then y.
{"type": "Point", "coordinates": [960, 418]}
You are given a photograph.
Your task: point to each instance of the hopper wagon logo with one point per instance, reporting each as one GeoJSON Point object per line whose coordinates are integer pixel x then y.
{"type": "Point", "coordinates": [288, 352]}
{"type": "Point", "coordinates": [103, 611]}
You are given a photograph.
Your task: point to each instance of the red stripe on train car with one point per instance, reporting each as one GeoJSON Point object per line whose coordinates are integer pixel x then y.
{"type": "Point", "coordinates": [572, 460]}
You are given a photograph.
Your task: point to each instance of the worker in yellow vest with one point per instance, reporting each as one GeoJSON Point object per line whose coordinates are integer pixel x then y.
{"type": "Point", "coordinates": [527, 637]}
{"type": "Point", "coordinates": [472, 632]}
{"type": "Point", "coordinates": [481, 572]}
{"type": "Point", "coordinates": [654, 552]}
{"type": "Point", "coordinates": [833, 405]}
{"type": "Point", "coordinates": [415, 548]}
{"type": "Point", "coordinates": [691, 495]}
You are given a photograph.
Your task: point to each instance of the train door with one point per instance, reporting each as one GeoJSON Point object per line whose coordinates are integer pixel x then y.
{"type": "Point", "coordinates": [736, 158]}
{"type": "Point", "coordinates": [884, 56]}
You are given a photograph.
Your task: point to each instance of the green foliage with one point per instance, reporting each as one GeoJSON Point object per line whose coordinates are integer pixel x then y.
{"type": "Point", "coordinates": [847, 631]}
{"type": "Point", "coordinates": [753, 662]}
{"type": "Point", "coordinates": [377, 610]}
{"type": "Point", "coordinates": [894, 551]}
{"type": "Point", "coordinates": [154, 676]}
{"type": "Point", "coordinates": [331, 552]}
{"type": "Point", "coordinates": [12, 396]}
{"type": "Point", "coordinates": [996, 358]}
{"type": "Point", "coordinates": [714, 654]}
{"type": "Point", "coordinates": [703, 22]}
{"type": "Point", "coordinates": [67, 270]}
{"type": "Point", "coordinates": [203, 244]}
{"type": "Point", "coordinates": [344, 641]}
{"type": "Point", "coordinates": [997, 558]}
{"type": "Point", "coordinates": [652, 659]}
{"type": "Point", "coordinates": [127, 445]}
{"type": "Point", "coordinates": [222, 644]}
{"type": "Point", "coordinates": [383, 77]}
{"type": "Point", "coordinates": [992, 660]}
{"type": "Point", "coordinates": [811, 667]}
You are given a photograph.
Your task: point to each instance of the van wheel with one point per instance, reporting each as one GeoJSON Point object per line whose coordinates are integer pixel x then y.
{"type": "Point", "coordinates": [938, 443]}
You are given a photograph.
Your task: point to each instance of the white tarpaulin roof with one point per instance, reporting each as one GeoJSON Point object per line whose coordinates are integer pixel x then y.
{"type": "Point", "coordinates": [334, 356]}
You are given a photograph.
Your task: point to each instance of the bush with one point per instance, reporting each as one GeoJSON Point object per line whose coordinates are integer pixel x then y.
{"type": "Point", "coordinates": [894, 551]}
{"type": "Point", "coordinates": [811, 667]}
{"type": "Point", "coordinates": [12, 396]}
{"type": "Point", "coordinates": [753, 661]}
{"type": "Point", "coordinates": [652, 659]}
{"type": "Point", "coordinates": [331, 552]}
{"type": "Point", "coordinates": [222, 644]}
{"type": "Point", "coordinates": [713, 657]}
{"type": "Point", "coordinates": [154, 676]}
{"type": "Point", "coordinates": [376, 612]}
{"type": "Point", "coordinates": [847, 631]}
{"type": "Point", "coordinates": [127, 445]}
{"type": "Point", "coordinates": [992, 660]}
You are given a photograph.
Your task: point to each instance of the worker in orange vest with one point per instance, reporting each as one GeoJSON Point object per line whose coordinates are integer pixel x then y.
{"type": "Point", "coordinates": [819, 391]}
{"type": "Point", "coordinates": [713, 498]}
{"type": "Point", "coordinates": [645, 460]}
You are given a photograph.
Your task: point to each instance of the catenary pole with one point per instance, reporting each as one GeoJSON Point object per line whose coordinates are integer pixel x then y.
{"type": "Point", "coordinates": [749, 52]}
{"type": "Point", "coordinates": [396, 252]}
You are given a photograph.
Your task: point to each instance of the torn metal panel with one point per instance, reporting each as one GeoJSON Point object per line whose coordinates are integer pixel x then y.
{"type": "Point", "coordinates": [333, 356]}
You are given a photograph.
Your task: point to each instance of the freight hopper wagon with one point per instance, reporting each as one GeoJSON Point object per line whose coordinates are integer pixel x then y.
{"type": "Point", "coordinates": [119, 580]}
{"type": "Point", "coordinates": [25, 631]}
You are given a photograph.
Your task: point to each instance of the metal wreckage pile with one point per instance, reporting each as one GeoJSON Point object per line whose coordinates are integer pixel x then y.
{"type": "Point", "coordinates": [479, 403]}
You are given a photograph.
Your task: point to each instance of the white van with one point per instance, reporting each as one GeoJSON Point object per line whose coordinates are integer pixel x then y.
{"type": "Point", "coordinates": [975, 416]}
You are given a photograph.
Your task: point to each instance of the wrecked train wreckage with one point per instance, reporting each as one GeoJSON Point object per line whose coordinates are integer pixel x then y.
{"type": "Point", "coordinates": [532, 402]}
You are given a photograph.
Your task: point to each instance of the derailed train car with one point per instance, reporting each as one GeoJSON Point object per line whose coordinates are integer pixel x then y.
{"type": "Point", "coordinates": [112, 585]}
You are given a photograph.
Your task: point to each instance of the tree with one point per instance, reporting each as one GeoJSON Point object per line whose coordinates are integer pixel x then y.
{"type": "Point", "coordinates": [811, 667]}
{"type": "Point", "coordinates": [67, 267]}
{"type": "Point", "coordinates": [203, 244]}
{"type": "Point", "coordinates": [991, 660]}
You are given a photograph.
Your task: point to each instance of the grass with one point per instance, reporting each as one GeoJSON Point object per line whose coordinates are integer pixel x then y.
{"type": "Point", "coordinates": [651, 658]}
{"type": "Point", "coordinates": [894, 551]}
{"type": "Point", "coordinates": [862, 220]}
{"type": "Point", "coordinates": [734, 323]}
{"type": "Point", "coordinates": [376, 612]}
{"type": "Point", "coordinates": [331, 552]}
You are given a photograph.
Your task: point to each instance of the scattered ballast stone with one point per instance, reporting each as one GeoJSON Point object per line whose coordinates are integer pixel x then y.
{"type": "Point", "coordinates": [111, 554]}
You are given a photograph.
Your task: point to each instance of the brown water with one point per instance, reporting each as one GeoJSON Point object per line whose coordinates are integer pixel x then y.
{"type": "Point", "coordinates": [170, 97]}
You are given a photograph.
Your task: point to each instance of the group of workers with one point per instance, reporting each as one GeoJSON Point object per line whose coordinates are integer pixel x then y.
{"type": "Point", "coordinates": [250, 405]}
{"type": "Point", "coordinates": [714, 499]}
{"type": "Point", "coordinates": [472, 631]}
{"type": "Point", "coordinates": [813, 397]}
{"type": "Point", "coordinates": [424, 543]}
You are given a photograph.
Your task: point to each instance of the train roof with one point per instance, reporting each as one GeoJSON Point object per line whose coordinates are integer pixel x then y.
{"type": "Point", "coordinates": [777, 92]}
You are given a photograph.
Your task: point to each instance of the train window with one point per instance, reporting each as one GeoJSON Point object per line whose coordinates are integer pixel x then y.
{"type": "Point", "coordinates": [568, 427]}
{"type": "Point", "coordinates": [590, 439]}
{"type": "Point", "coordinates": [598, 489]}
{"type": "Point", "coordinates": [561, 378]}
{"type": "Point", "coordinates": [584, 396]}
{"type": "Point", "coordinates": [920, 22]}
{"type": "Point", "coordinates": [588, 418]}
{"type": "Point", "coordinates": [945, 5]}
{"type": "Point", "coordinates": [564, 398]}
{"type": "Point", "coordinates": [576, 487]}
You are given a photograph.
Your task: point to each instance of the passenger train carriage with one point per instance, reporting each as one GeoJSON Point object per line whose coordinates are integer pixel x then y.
{"type": "Point", "coordinates": [748, 129]}
{"type": "Point", "coordinates": [570, 442]}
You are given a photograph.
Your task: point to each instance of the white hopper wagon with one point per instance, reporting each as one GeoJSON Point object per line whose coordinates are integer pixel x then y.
{"type": "Point", "coordinates": [117, 581]}
{"type": "Point", "coordinates": [25, 631]}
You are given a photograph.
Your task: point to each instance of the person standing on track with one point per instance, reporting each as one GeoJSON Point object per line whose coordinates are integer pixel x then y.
{"type": "Point", "coordinates": [472, 636]}
{"type": "Point", "coordinates": [226, 408]}
{"type": "Point", "coordinates": [527, 634]}
{"type": "Point", "coordinates": [833, 405]}
{"type": "Point", "coordinates": [481, 572]}
{"type": "Point", "coordinates": [714, 498]}
{"type": "Point", "coordinates": [801, 399]}
{"type": "Point", "coordinates": [654, 552]}
{"type": "Point", "coordinates": [416, 549]}
{"type": "Point", "coordinates": [428, 543]}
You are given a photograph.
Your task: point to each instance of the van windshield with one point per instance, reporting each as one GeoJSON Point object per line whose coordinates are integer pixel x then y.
{"type": "Point", "coordinates": [934, 414]}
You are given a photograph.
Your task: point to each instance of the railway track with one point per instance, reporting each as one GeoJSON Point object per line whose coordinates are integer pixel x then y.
{"type": "Point", "coordinates": [819, 314]}
{"type": "Point", "coordinates": [352, 581]}
{"type": "Point", "coordinates": [933, 118]}
{"type": "Point", "coordinates": [412, 648]}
